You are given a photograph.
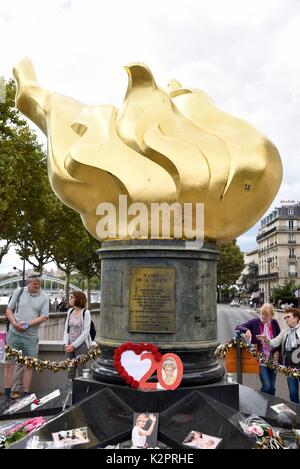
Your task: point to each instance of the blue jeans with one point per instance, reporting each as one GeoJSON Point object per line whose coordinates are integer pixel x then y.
{"type": "Point", "coordinates": [267, 378]}
{"type": "Point", "coordinates": [293, 384]}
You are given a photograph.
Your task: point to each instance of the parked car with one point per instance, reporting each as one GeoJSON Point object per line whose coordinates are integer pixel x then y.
{"type": "Point", "coordinates": [287, 305]}
{"type": "Point", "coordinates": [235, 303]}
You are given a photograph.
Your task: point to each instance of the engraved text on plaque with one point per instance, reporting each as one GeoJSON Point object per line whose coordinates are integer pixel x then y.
{"type": "Point", "coordinates": [152, 300]}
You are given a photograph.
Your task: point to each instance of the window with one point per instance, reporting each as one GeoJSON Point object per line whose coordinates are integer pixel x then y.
{"type": "Point", "coordinates": [291, 224]}
{"type": "Point", "coordinates": [292, 269]}
{"type": "Point", "coordinates": [292, 239]}
{"type": "Point", "coordinates": [292, 253]}
{"type": "Point", "coordinates": [290, 211]}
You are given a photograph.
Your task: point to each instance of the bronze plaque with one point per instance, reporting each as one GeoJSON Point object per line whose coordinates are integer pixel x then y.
{"type": "Point", "coordinates": [152, 300]}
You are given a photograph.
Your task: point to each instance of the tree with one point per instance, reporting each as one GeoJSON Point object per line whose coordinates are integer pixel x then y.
{"type": "Point", "coordinates": [229, 266]}
{"type": "Point", "coordinates": [39, 226]}
{"type": "Point", "coordinates": [250, 280]}
{"type": "Point", "coordinates": [31, 216]}
{"type": "Point", "coordinates": [88, 263]}
{"type": "Point", "coordinates": [70, 243]}
{"type": "Point", "coordinates": [285, 293]}
{"type": "Point", "coordinates": [23, 173]}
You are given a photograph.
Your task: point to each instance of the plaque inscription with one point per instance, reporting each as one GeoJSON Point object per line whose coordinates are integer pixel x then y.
{"type": "Point", "coordinates": [152, 300]}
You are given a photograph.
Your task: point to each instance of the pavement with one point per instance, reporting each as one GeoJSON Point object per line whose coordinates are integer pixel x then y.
{"type": "Point", "coordinates": [228, 318]}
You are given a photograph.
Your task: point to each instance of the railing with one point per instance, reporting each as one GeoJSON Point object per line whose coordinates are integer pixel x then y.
{"type": "Point", "coordinates": [266, 233]}
{"type": "Point", "coordinates": [46, 381]}
{"type": "Point", "coordinates": [53, 329]}
{"type": "Point", "coordinates": [271, 275]}
{"type": "Point", "coordinates": [286, 228]}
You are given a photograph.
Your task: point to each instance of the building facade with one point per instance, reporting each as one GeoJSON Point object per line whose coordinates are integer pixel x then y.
{"type": "Point", "coordinates": [279, 248]}
{"type": "Point", "coordinates": [249, 256]}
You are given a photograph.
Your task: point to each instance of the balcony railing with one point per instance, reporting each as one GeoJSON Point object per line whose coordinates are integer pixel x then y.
{"type": "Point", "coordinates": [277, 229]}
{"type": "Point", "coordinates": [266, 276]}
{"type": "Point", "coordinates": [266, 233]}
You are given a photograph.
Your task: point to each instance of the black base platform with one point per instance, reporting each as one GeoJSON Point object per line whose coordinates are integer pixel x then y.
{"type": "Point", "coordinates": [216, 410]}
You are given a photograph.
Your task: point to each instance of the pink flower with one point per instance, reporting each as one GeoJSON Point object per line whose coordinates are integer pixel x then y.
{"type": "Point", "coordinates": [256, 430]}
{"type": "Point", "coordinates": [15, 429]}
{"type": "Point", "coordinates": [34, 423]}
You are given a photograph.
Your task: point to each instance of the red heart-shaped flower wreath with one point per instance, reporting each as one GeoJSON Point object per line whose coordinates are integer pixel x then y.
{"type": "Point", "coordinates": [138, 349]}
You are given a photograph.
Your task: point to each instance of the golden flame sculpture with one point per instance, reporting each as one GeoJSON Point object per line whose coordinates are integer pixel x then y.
{"type": "Point", "coordinates": [158, 147]}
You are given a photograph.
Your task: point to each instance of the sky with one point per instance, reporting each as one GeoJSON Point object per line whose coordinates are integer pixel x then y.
{"type": "Point", "coordinates": [244, 54]}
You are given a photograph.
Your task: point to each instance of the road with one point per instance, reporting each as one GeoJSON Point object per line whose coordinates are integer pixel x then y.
{"type": "Point", "coordinates": [228, 318]}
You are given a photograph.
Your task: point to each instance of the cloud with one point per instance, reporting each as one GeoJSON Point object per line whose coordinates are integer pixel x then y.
{"type": "Point", "coordinates": [243, 54]}
{"type": "Point", "coordinates": [248, 242]}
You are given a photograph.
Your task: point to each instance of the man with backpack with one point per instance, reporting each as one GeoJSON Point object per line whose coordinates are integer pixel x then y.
{"type": "Point", "coordinates": [27, 309]}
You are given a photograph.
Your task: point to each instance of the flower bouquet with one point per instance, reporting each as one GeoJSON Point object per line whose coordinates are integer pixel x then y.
{"type": "Point", "coordinates": [12, 433]}
{"type": "Point", "coordinates": [264, 435]}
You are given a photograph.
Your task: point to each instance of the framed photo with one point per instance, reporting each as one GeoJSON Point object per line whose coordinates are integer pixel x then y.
{"type": "Point", "coordinates": [75, 436]}
{"type": "Point", "coordinates": [282, 408]}
{"type": "Point", "coordinates": [21, 404]}
{"type": "Point", "coordinates": [199, 440]}
{"type": "Point", "coordinates": [144, 430]}
{"type": "Point", "coordinates": [170, 372]}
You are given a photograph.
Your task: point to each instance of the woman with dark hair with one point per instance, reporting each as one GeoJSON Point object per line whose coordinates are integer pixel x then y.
{"type": "Point", "coordinates": [77, 338]}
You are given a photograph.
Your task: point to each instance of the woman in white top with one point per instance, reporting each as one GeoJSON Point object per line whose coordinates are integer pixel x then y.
{"type": "Point", "coordinates": [77, 338]}
{"type": "Point", "coordinates": [139, 435]}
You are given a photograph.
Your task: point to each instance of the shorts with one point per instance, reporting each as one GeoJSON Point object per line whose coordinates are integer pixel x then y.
{"type": "Point", "coordinates": [28, 345]}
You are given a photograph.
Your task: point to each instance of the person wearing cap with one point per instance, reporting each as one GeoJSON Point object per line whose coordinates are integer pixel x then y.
{"type": "Point", "coordinates": [27, 309]}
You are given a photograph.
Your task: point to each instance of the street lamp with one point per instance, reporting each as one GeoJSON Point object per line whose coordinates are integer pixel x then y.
{"type": "Point", "coordinates": [22, 272]}
{"type": "Point", "coordinates": [297, 295]}
{"type": "Point", "coordinates": [269, 260]}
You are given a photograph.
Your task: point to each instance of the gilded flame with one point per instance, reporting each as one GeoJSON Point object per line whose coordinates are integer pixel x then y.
{"type": "Point", "coordinates": [160, 146]}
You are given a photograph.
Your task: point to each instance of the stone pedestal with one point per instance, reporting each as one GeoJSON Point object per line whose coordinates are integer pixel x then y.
{"type": "Point", "coordinates": [163, 292]}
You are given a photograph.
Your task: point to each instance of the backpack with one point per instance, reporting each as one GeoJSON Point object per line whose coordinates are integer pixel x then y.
{"type": "Point", "coordinates": [92, 326]}
{"type": "Point", "coordinates": [16, 307]}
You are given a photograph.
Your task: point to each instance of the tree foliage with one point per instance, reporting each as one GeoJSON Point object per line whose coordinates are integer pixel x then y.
{"type": "Point", "coordinates": [31, 216]}
{"type": "Point", "coordinates": [69, 243]}
{"type": "Point", "coordinates": [250, 280]}
{"type": "Point", "coordinates": [21, 161]}
{"type": "Point", "coordinates": [88, 262]}
{"type": "Point", "coordinates": [285, 293]}
{"type": "Point", "coordinates": [230, 264]}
